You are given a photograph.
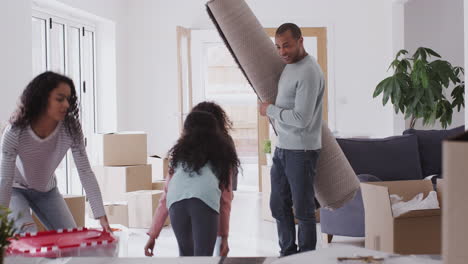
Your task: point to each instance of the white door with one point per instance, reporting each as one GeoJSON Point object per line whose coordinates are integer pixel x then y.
{"type": "Point", "coordinates": [216, 77]}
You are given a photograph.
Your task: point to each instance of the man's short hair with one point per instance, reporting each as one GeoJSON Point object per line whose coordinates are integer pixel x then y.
{"type": "Point", "coordinates": [295, 30]}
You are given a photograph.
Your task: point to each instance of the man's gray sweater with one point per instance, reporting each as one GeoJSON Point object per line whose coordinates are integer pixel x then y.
{"type": "Point", "coordinates": [298, 108]}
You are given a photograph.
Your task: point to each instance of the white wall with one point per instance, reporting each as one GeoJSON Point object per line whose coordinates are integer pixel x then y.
{"type": "Point", "coordinates": [438, 25]}
{"type": "Point", "coordinates": [15, 53]}
{"type": "Point", "coordinates": [361, 40]}
{"type": "Point", "coordinates": [109, 9]}
{"type": "Point", "coordinates": [149, 100]}
{"type": "Point", "coordinates": [398, 33]}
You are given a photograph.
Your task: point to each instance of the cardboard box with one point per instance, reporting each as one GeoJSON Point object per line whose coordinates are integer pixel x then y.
{"type": "Point", "coordinates": [160, 167]}
{"type": "Point", "coordinates": [455, 209]}
{"type": "Point", "coordinates": [123, 149]}
{"type": "Point", "coordinates": [76, 205]}
{"type": "Point", "coordinates": [159, 185]}
{"type": "Point", "coordinates": [117, 213]}
{"type": "Point", "coordinates": [414, 232]}
{"type": "Point", "coordinates": [141, 208]}
{"type": "Point", "coordinates": [115, 182]}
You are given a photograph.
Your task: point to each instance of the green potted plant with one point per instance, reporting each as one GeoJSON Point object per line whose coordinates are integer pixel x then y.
{"type": "Point", "coordinates": [267, 151]}
{"type": "Point", "coordinates": [418, 87]}
{"type": "Point", "coordinates": [7, 231]}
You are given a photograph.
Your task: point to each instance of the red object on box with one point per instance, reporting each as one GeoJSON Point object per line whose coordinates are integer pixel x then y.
{"type": "Point", "coordinates": [77, 242]}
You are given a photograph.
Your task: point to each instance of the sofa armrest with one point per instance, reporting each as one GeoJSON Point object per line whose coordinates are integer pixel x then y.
{"type": "Point", "coordinates": [349, 219]}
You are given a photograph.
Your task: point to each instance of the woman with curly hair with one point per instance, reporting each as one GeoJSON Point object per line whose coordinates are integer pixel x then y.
{"type": "Point", "coordinates": [41, 131]}
{"type": "Point", "coordinates": [201, 164]}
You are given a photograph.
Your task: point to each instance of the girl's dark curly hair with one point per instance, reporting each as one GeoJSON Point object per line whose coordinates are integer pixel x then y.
{"type": "Point", "coordinates": [202, 141]}
{"type": "Point", "coordinates": [213, 108]}
{"type": "Point", "coordinates": [224, 123]}
{"type": "Point", "coordinates": [34, 102]}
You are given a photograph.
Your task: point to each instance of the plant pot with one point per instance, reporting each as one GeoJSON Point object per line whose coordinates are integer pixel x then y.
{"type": "Point", "coordinates": [269, 160]}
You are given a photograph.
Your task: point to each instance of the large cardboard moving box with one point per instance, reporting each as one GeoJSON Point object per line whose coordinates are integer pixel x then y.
{"type": "Point", "coordinates": [414, 232]}
{"type": "Point", "coordinates": [123, 149]}
{"type": "Point", "coordinates": [76, 205]}
{"type": "Point", "coordinates": [455, 207]}
{"type": "Point", "coordinates": [115, 182]}
{"type": "Point", "coordinates": [160, 167]}
{"type": "Point", "coordinates": [117, 213]}
{"type": "Point", "coordinates": [141, 208]}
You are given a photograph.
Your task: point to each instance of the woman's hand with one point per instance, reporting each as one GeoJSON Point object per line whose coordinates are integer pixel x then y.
{"type": "Point", "coordinates": [105, 224]}
{"type": "Point", "coordinates": [224, 250]}
{"type": "Point", "coordinates": [149, 247]}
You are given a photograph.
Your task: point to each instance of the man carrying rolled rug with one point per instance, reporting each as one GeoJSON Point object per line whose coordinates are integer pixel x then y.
{"type": "Point", "coordinates": [297, 114]}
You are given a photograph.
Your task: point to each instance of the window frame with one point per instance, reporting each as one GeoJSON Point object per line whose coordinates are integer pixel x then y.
{"type": "Point", "coordinates": [68, 22]}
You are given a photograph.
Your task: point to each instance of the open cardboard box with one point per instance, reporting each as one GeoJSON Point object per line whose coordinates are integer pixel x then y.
{"type": "Point", "coordinates": [414, 232]}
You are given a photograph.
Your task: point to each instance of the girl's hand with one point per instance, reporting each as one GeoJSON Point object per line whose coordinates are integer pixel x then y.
{"type": "Point", "coordinates": [105, 224]}
{"type": "Point", "coordinates": [224, 247]}
{"type": "Point", "coordinates": [149, 247]}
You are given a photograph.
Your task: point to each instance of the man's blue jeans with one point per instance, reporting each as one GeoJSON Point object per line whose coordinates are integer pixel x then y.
{"type": "Point", "coordinates": [292, 186]}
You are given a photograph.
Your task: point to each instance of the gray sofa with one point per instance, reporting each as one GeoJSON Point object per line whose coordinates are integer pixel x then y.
{"type": "Point", "coordinates": [412, 156]}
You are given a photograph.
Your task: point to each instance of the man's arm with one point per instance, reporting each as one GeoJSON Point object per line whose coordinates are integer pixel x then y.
{"type": "Point", "coordinates": [305, 103]}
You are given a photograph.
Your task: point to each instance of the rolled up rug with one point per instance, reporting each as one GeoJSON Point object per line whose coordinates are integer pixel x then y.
{"type": "Point", "coordinates": [335, 182]}
{"type": "Point", "coordinates": [249, 44]}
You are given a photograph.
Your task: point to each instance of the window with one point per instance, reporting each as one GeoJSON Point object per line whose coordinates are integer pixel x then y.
{"type": "Point", "coordinates": [218, 78]}
{"type": "Point", "coordinates": [68, 47]}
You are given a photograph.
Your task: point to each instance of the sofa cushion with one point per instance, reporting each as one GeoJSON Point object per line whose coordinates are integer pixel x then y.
{"type": "Point", "coordinates": [430, 147]}
{"type": "Point", "coordinates": [390, 159]}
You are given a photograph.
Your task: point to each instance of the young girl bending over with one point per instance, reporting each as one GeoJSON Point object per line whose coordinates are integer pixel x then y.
{"type": "Point", "coordinates": [201, 164]}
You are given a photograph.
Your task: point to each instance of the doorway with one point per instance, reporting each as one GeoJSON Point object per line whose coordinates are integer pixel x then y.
{"type": "Point", "coordinates": [209, 73]}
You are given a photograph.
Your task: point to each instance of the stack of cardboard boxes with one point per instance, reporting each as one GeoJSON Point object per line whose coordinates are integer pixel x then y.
{"type": "Point", "coordinates": [125, 179]}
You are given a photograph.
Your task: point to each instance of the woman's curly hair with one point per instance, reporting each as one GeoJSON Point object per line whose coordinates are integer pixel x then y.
{"type": "Point", "coordinates": [202, 141]}
{"type": "Point", "coordinates": [34, 102]}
